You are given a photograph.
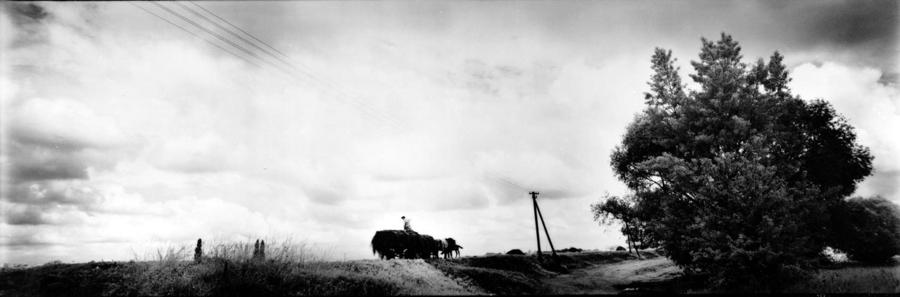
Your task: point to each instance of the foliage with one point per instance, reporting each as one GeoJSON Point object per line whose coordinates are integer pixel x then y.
{"type": "Point", "coordinates": [736, 180]}
{"type": "Point", "coordinates": [624, 210]}
{"type": "Point", "coordinates": [868, 230]}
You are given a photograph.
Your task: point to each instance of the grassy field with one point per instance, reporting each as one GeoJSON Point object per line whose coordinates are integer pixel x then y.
{"type": "Point", "coordinates": [853, 279]}
{"type": "Point", "coordinates": [229, 271]}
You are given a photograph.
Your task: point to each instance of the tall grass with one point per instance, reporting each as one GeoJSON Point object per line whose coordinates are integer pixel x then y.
{"type": "Point", "coordinates": [864, 279]}
{"type": "Point", "coordinates": [229, 269]}
{"type": "Point", "coordinates": [276, 251]}
{"type": "Point", "coordinates": [171, 255]}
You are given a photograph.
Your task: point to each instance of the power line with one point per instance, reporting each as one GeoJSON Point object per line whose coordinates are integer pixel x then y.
{"type": "Point", "coordinates": [496, 176]}
{"type": "Point", "coordinates": [218, 36]}
{"type": "Point", "coordinates": [223, 28]}
{"type": "Point", "coordinates": [328, 85]}
{"type": "Point", "coordinates": [239, 28]}
{"type": "Point", "coordinates": [324, 83]}
{"type": "Point", "coordinates": [309, 73]}
{"type": "Point", "coordinates": [195, 34]}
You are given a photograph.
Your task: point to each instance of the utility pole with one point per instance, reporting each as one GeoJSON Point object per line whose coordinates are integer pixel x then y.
{"type": "Point", "coordinates": [552, 249]}
{"type": "Point", "coordinates": [537, 232]}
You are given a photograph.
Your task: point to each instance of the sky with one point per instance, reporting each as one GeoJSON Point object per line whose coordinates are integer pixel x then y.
{"type": "Point", "coordinates": [123, 134]}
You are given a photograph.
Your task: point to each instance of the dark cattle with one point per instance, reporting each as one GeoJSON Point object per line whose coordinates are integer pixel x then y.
{"type": "Point", "coordinates": [437, 248]}
{"type": "Point", "coordinates": [451, 247]}
{"type": "Point", "coordinates": [441, 246]}
{"type": "Point", "coordinates": [389, 244]}
{"type": "Point", "coordinates": [423, 248]}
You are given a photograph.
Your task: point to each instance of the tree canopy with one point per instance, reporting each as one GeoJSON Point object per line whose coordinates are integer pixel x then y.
{"type": "Point", "coordinates": [737, 179]}
{"type": "Point", "coordinates": [868, 229]}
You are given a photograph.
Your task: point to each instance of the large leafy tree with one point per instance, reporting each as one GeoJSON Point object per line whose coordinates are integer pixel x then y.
{"type": "Point", "coordinates": [624, 211]}
{"type": "Point", "coordinates": [737, 179]}
{"type": "Point", "coordinates": [869, 230]}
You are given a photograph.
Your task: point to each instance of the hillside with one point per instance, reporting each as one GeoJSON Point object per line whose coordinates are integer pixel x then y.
{"type": "Point", "coordinates": [499, 274]}
{"type": "Point", "coordinates": [573, 273]}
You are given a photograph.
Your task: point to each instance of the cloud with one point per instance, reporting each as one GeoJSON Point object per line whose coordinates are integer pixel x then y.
{"type": "Point", "coordinates": [175, 222]}
{"type": "Point", "coordinates": [869, 28]}
{"type": "Point", "coordinates": [25, 17]}
{"type": "Point", "coordinates": [192, 128]}
{"type": "Point", "coordinates": [56, 192]}
{"type": "Point", "coordinates": [34, 163]}
{"type": "Point", "coordinates": [865, 33]}
{"type": "Point", "coordinates": [122, 131]}
{"type": "Point", "coordinates": [27, 216]}
{"type": "Point", "coordinates": [840, 23]}
{"type": "Point", "coordinates": [31, 214]}
{"type": "Point", "coordinates": [206, 153]}
{"type": "Point", "coordinates": [540, 171]}
{"type": "Point", "coordinates": [870, 106]}
{"type": "Point", "coordinates": [58, 139]}
{"type": "Point", "coordinates": [62, 123]}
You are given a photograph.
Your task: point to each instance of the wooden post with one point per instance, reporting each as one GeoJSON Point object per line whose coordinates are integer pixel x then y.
{"type": "Point", "coordinates": [552, 249]}
{"type": "Point", "coordinates": [537, 229]}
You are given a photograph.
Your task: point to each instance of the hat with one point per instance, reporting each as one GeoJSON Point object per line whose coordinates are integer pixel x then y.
{"type": "Point", "coordinates": [403, 217]}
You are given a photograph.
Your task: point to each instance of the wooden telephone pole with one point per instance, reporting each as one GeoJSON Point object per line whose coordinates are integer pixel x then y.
{"type": "Point", "coordinates": [537, 232]}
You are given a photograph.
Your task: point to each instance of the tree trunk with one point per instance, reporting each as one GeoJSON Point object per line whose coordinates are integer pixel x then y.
{"type": "Point", "coordinates": [630, 242]}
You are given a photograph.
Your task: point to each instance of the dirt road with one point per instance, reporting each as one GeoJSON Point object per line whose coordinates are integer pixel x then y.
{"type": "Point", "coordinates": [603, 278]}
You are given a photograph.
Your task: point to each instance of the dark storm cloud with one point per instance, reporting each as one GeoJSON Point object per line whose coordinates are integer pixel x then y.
{"type": "Point", "coordinates": [27, 12]}
{"type": "Point", "coordinates": [62, 169]}
{"type": "Point", "coordinates": [867, 29]}
{"type": "Point", "coordinates": [44, 178]}
{"type": "Point", "coordinates": [58, 140]}
{"type": "Point", "coordinates": [847, 23]}
{"type": "Point", "coordinates": [27, 18]}
{"type": "Point", "coordinates": [35, 162]}
{"type": "Point", "coordinates": [54, 194]}
{"type": "Point", "coordinates": [26, 216]}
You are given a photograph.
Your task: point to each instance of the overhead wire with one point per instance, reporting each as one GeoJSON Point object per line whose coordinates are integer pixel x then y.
{"type": "Point", "coordinates": [218, 36]}
{"type": "Point", "coordinates": [341, 94]}
{"type": "Point", "coordinates": [496, 176]}
{"type": "Point", "coordinates": [239, 28]}
{"type": "Point", "coordinates": [309, 74]}
{"type": "Point", "coordinates": [196, 35]}
{"type": "Point", "coordinates": [223, 28]}
{"type": "Point", "coordinates": [284, 62]}
{"type": "Point", "coordinates": [306, 72]}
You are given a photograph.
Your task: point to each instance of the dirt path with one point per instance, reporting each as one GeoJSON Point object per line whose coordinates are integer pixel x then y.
{"type": "Point", "coordinates": [601, 278]}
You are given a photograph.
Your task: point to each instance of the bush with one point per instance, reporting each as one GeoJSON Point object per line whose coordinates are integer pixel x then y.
{"type": "Point", "coordinates": [515, 252]}
{"type": "Point", "coordinates": [868, 230]}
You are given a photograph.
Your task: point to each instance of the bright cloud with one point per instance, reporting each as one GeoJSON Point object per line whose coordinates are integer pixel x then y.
{"type": "Point", "coordinates": [872, 107]}
{"type": "Point", "coordinates": [122, 133]}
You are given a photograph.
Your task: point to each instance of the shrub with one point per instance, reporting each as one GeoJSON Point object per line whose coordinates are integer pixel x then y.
{"type": "Point", "coordinates": [868, 229]}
